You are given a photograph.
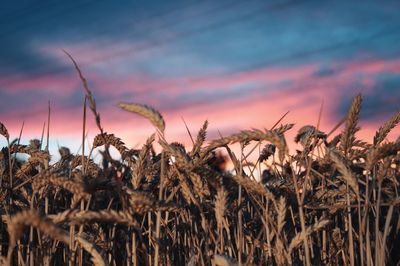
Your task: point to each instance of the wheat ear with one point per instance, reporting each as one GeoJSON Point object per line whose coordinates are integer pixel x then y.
{"type": "Point", "coordinates": [147, 112]}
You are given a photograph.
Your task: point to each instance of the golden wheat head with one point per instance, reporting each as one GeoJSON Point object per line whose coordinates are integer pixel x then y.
{"type": "Point", "coordinates": [147, 112]}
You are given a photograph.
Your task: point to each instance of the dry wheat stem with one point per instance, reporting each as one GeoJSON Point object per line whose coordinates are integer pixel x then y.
{"type": "Point", "coordinates": [340, 163]}
{"type": "Point", "coordinates": [348, 135]}
{"type": "Point", "coordinates": [30, 218]}
{"type": "Point", "coordinates": [92, 102]}
{"type": "Point", "coordinates": [384, 130]}
{"type": "Point", "coordinates": [4, 131]}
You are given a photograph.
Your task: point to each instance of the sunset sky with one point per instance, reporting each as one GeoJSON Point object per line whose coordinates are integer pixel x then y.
{"type": "Point", "coordinates": [239, 64]}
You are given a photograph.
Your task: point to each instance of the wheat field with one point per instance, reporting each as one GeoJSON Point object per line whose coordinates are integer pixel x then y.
{"type": "Point", "coordinates": [335, 202]}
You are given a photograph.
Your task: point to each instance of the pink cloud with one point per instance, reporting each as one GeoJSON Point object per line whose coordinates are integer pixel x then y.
{"type": "Point", "coordinates": [302, 96]}
{"type": "Point", "coordinates": [62, 84]}
{"type": "Point", "coordinates": [146, 84]}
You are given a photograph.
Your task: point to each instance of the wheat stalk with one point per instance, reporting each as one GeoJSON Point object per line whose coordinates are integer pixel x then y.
{"type": "Point", "coordinates": [253, 186]}
{"type": "Point", "coordinates": [341, 165]}
{"type": "Point", "coordinates": [89, 96]}
{"type": "Point", "coordinates": [384, 130]}
{"type": "Point", "coordinates": [246, 136]}
{"type": "Point", "coordinates": [81, 217]}
{"type": "Point", "coordinates": [138, 167]}
{"type": "Point", "coordinates": [4, 131]}
{"type": "Point", "coordinates": [111, 139]}
{"type": "Point", "coordinates": [147, 112]}
{"type": "Point", "coordinates": [201, 137]}
{"type": "Point", "coordinates": [220, 207]}
{"type": "Point", "coordinates": [348, 135]}
{"type": "Point", "coordinates": [30, 218]}
{"type": "Point", "coordinates": [298, 239]}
